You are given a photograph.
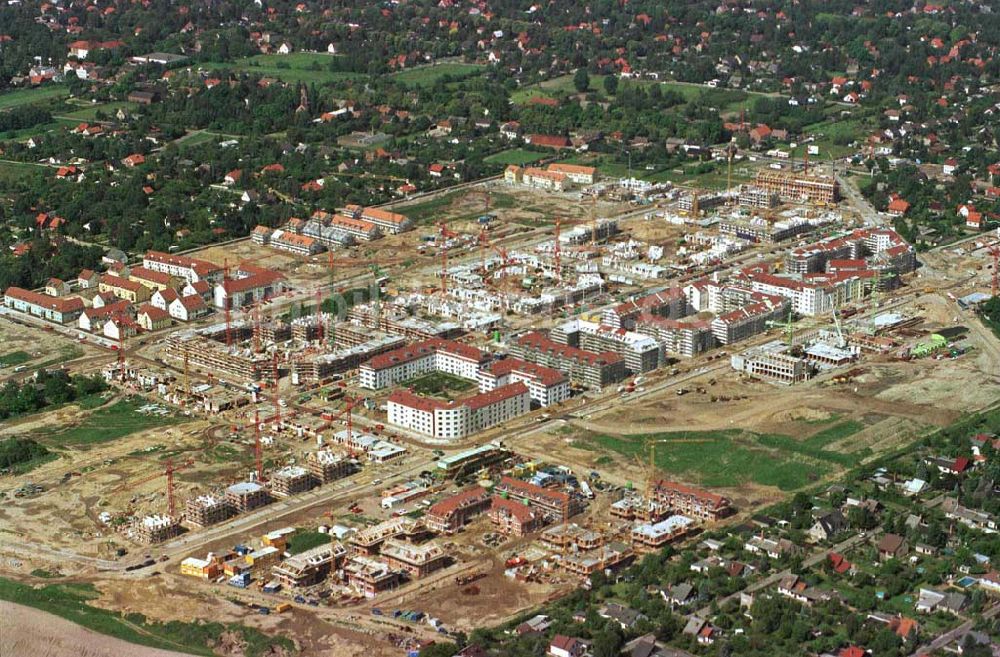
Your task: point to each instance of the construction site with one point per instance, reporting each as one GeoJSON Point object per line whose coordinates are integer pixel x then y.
{"type": "Point", "coordinates": [472, 416]}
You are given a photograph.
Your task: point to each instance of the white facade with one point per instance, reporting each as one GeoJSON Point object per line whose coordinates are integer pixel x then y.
{"type": "Point", "coordinates": [457, 420]}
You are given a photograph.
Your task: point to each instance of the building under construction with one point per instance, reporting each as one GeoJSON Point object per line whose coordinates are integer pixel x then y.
{"type": "Point", "coordinates": [317, 366]}
{"type": "Point", "coordinates": [155, 529]}
{"type": "Point", "coordinates": [203, 353]}
{"type": "Point", "coordinates": [415, 560]}
{"type": "Point", "coordinates": [371, 316]}
{"type": "Point", "coordinates": [370, 576]}
{"type": "Point", "coordinates": [612, 556]}
{"type": "Point", "coordinates": [247, 496]}
{"type": "Point", "coordinates": [798, 186]}
{"type": "Point", "coordinates": [206, 510]}
{"type": "Point", "coordinates": [326, 466]}
{"type": "Point", "coordinates": [291, 480]}
{"type": "Point", "coordinates": [310, 567]}
{"type": "Point", "coordinates": [369, 541]}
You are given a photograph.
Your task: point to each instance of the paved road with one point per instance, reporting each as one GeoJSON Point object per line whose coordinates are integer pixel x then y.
{"type": "Point", "coordinates": [953, 635]}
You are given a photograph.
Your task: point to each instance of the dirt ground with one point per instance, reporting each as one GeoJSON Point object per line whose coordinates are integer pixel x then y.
{"type": "Point", "coordinates": [43, 347]}
{"type": "Point", "coordinates": [27, 631]}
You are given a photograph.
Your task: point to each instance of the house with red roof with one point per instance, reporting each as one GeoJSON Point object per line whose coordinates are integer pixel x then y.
{"type": "Point", "coordinates": [898, 206]}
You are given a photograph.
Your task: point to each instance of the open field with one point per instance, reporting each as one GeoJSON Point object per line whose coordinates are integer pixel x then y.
{"type": "Point", "coordinates": [30, 631]}
{"type": "Point", "coordinates": [34, 96]}
{"type": "Point", "coordinates": [738, 457]}
{"type": "Point", "coordinates": [426, 76]}
{"type": "Point", "coordinates": [73, 602]}
{"type": "Point", "coordinates": [295, 67]}
{"type": "Point", "coordinates": [89, 112]}
{"type": "Point", "coordinates": [518, 156]}
{"type": "Point", "coordinates": [14, 171]}
{"type": "Point", "coordinates": [109, 423]}
{"type": "Point", "coordinates": [25, 345]}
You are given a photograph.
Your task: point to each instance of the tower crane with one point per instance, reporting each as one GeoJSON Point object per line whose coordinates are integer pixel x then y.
{"type": "Point", "coordinates": [787, 325]}
{"type": "Point", "coordinates": [841, 340]}
{"type": "Point", "coordinates": [168, 472]}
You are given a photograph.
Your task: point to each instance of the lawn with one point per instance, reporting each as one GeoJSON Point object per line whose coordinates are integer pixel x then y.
{"type": "Point", "coordinates": [714, 458]}
{"type": "Point", "coordinates": [34, 96]}
{"type": "Point", "coordinates": [429, 210]}
{"type": "Point", "coordinates": [71, 601]}
{"type": "Point", "coordinates": [426, 76]}
{"type": "Point", "coordinates": [89, 112]}
{"type": "Point", "coordinates": [66, 353]}
{"type": "Point", "coordinates": [519, 156]}
{"type": "Point", "coordinates": [296, 67]}
{"type": "Point", "coordinates": [814, 446]}
{"type": "Point", "coordinates": [109, 423]}
{"type": "Point", "coordinates": [14, 358]}
{"type": "Point", "coordinates": [15, 171]}
{"type": "Point", "coordinates": [440, 384]}
{"type": "Point", "coordinates": [306, 540]}
{"type": "Point", "coordinates": [832, 137]}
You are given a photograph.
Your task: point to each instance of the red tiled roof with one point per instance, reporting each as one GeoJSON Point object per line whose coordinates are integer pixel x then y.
{"type": "Point", "coordinates": [192, 302]}
{"type": "Point", "coordinates": [155, 314]}
{"type": "Point", "coordinates": [202, 267]}
{"type": "Point", "coordinates": [378, 214]}
{"type": "Point", "coordinates": [527, 489]}
{"type": "Point", "coordinates": [540, 342]}
{"type": "Point", "coordinates": [520, 511]}
{"type": "Point", "coordinates": [121, 283]}
{"type": "Point", "coordinates": [545, 375]}
{"type": "Point", "coordinates": [58, 304]}
{"type": "Point", "coordinates": [422, 349]}
{"type": "Point", "coordinates": [451, 504]}
{"type": "Point", "coordinates": [496, 395]}
{"type": "Point", "coordinates": [150, 275]}
{"type": "Point", "coordinates": [414, 401]}
{"type": "Point", "coordinates": [704, 496]}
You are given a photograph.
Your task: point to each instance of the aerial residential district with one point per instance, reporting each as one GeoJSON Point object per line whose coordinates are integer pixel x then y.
{"type": "Point", "coordinates": [476, 328]}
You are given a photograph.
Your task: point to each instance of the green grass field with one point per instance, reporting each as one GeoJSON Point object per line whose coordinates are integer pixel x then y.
{"type": "Point", "coordinates": [14, 358]}
{"type": "Point", "coordinates": [71, 601]}
{"type": "Point", "coordinates": [425, 76]}
{"type": "Point", "coordinates": [14, 171]}
{"type": "Point", "coordinates": [295, 67]}
{"type": "Point", "coordinates": [515, 156]}
{"type": "Point", "coordinates": [34, 96]}
{"type": "Point", "coordinates": [89, 112]}
{"type": "Point", "coordinates": [440, 384]}
{"type": "Point", "coordinates": [428, 210]}
{"type": "Point", "coordinates": [732, 457]}
{"type": "Point", "coordinates": [106, 424]}
{"type": "Point", "coordinates": [306, 540]}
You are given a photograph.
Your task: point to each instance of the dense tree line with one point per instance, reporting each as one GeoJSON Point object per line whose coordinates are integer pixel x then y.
{"type": "Point", "coordinates": [46, 388]}
{"type": "Point", "coordinates": [15, 451]}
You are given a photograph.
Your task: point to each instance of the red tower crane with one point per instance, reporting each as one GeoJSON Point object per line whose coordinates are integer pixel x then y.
{"type": "Point", "coordinates": [557, 251]}
{"type": "Point", "coordinates": [484, 243]}
{"type": "Point", "coordinates": [258, 456]}
{"type": "Point", "coordinates": [228, 303]}
{"type": "Point", "coordinates": [321, 333]}
{"type": "Point", "coordinates": [274, 397]}
{"type": "Point", "coordinates": [168, 472]}
{"type": "Point", "coordinates": [995, 252]}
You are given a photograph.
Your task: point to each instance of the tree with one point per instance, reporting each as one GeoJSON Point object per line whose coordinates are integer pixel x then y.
{"type": "Point", "coordinates": [581, 80]}
{"type": "Point", "coordinates": [610, 84]}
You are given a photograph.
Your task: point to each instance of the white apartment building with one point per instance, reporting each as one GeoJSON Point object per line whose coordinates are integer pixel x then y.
{"type": "Point", "coordinates": [434, 355]}
{"type": "Point", "coordinates": [458, 419]}
{"type": "Point", "coordinates": [547, 386]}
{"type": "Point", "coordinates": [190, 269]}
